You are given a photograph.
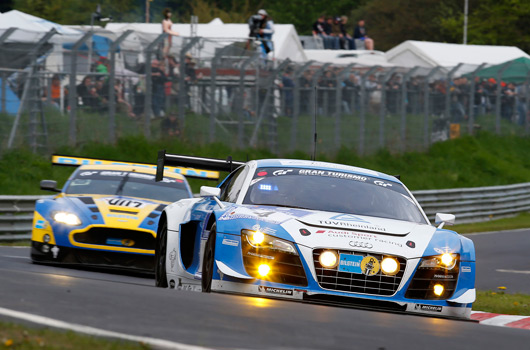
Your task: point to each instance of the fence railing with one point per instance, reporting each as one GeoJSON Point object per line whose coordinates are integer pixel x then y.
{"type": "Point", "coordinates": [474, 204]}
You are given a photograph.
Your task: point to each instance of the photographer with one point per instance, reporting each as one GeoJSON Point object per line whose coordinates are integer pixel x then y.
{"type": "Point", "coordinates": [261, 28]}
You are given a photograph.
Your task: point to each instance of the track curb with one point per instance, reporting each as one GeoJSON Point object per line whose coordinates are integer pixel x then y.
{"type": "Point", "coordinates": [491, 319]}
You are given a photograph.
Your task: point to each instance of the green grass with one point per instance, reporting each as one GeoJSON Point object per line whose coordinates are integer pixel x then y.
{"type": "Point", "coordinates": [13, 336]}
{"type": "Point", "coordinates": [502, 303]}
{"type": "Point", "coordinates": [520, 221]}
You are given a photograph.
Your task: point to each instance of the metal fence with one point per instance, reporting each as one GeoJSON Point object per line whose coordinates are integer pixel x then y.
{"type": "Point", "coordinates": [475, 204]}
{"type": "Point", "coordinates": [225, 90]}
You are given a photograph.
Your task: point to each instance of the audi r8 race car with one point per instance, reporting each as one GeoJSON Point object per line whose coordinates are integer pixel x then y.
{"type": "Point", "coordinates": [106, 214]}
{"type": "Point", "coordinates": [314, 231]}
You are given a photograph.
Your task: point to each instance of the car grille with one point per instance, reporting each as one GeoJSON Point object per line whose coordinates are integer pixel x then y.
{"type": "Point", "coordinates": [378, 284]}
{"type": "Point", "coordinates": [104, 236]}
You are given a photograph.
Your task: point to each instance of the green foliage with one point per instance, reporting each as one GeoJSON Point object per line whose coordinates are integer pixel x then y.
{"type": "Point", "coordinates": [485, 160]}
{"type": "Point", "coordinates": [503, 303]}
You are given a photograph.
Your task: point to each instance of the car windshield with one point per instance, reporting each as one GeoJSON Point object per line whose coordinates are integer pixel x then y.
{"type": "Point", "coordinates": [125, 183]}
{"type": "Point", "coordinates": [332, 191]}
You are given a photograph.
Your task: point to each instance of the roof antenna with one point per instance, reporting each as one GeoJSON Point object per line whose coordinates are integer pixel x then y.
{"type": "Point", "coordinates": [313, 157]}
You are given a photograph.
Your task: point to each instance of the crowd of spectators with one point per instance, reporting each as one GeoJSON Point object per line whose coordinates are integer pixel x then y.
{"type": "Point", "coordinates": [335, 34]}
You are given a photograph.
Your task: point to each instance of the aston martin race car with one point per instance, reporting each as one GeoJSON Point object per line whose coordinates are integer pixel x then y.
{"type": "Point", "coordinates": [317, 232]}
{"type": "Point", "coordinates": [106, 214]}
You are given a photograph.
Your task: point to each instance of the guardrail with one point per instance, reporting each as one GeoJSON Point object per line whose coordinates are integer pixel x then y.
{"type": "Point", "coordinates": [473, 204]}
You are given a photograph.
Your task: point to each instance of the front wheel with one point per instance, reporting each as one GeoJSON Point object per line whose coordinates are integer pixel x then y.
{"type": "Point", "coordinates": [208, 261]}
{"type": "Point", "coordinates": [160, 257]}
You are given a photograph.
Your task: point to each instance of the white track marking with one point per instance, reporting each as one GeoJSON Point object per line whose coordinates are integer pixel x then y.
{"type": "Point", "coordinates": [14, 256]}
{"type": "Point", "coordinates": [502, 320]}
{"type": "Point", "coordinates": [50, 322]}
{"type": "Point", "coordinates": [514, 271]}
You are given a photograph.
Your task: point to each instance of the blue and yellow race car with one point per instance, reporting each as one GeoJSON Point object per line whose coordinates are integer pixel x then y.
{"type": "Point", "coordinates": [106, 214]}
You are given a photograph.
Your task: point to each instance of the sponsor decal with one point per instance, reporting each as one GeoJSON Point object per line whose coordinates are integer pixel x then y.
{"type": "Point", "coordinates": [389, 242]}
{"type": "Point", "coordinates": [230, 242]}
{"type": "Point", "coordinates": [254, 181]}
{"type": "Point", "coordinates": [122, 216]}
{"type": "Point", "coordinates": [466, 268]}
{"type": "Point", "coordinates": [272, 290]}
{"type": "Point", "coordinates": [348, 217]}
{"type": "Point", "coordinates": [88, 173]}
{"type": "Point", "coordinates": [304, 232]}
{"type": "Point", "coordinates": [120, 202]}
{"type": "Point", "coordinates": [55, 251]}
{"type": "Point", "coordinates": [173, 258]}
{"type": "Point", "coordinates": [261, 255]}
{"type": "Point", "coordinates": [370, 227]}
{"type": "Point", "coordinates": [334, 174]}
{"type": "Point", "coordinates": [120, 242]}
{"type": "Point", "coordinates": [357, 244]}
{"type": "Point", "coordinates": [350, 263]}
{"type": "Point", "coordinates": [370, 265]}
{"type": "Point", "coordinates": [233, 216]}
{"type": "Point", "coordinates": [263, 229]}
{"type": "Point", "coordinates": [443, 250]}
{"type": "Point", "coordinates": [40, 224]}
{"type": "Point", "coordinates": [443, 276]}
{"type": "Point", "coordinates": [347, 234]}
{"type": "Point", "coordinates": [431, 308]}
{"type": "Point", "coordinates": [262, 173]}
{"type": "Point", "coordinates": [382, 183]}
{"type": "Point", "coordinates": [172, 284]}
{"type": "Point", "coordinates": [45, 248]}
{"type": "Point", "coordinates": [411, 244]}
{"type": "Point", "coordinates": [282, 172]}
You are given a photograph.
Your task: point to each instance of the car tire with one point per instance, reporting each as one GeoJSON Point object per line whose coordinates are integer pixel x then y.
{"type": "Point", "coordinates": [161, 256]}
{"type": "Point", "coordinates": [208, 261]}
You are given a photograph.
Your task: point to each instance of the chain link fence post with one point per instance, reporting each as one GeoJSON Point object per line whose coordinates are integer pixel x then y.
{"type": "Point", "coordinates": [471, 111]}
{"type": "Point", "coordinates": [498, 94]}
{"type": "Point", "coordinates": [338, 103]}
{"type": "Point", "coordinates": [297, 99]}
{"type": "Point", "coordinates": [383, 106]}
{"type": "Point", "coordinates": [241, 99]}
{"type": "Point", "coordinates": [426, 111]}
{"type": "Point", "coordinates": [112, 82]}
{"type": "Point", "coordinates": [404, 103]}
{"type": "Point", "coordinates": [182, 96]}
{"type": "Point", "coordinates": [362, 108]}
{"type": "Point", "coordinates": [149, 83]}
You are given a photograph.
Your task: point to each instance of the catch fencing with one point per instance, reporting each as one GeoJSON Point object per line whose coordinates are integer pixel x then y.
{"type": "Point", "coordinates": [202, 90]}
{"type": "Point", "coordinates": [477, 204]}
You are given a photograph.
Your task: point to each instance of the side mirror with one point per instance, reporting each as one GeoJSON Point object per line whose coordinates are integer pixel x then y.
{"type": "Point", "coordinates": [443, 219]}
{"type": "Point", "coordinates": [215, 192]}
{"type": "Point", "coordinates": [49, 185]}
{"type": "Point", "coordinates": [207, 191]}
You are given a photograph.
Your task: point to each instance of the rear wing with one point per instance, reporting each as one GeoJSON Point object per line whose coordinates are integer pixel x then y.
{"type": "Point", "coordinates": [209, 164]}
{"type": "Point", "coordinates": [65, 160]}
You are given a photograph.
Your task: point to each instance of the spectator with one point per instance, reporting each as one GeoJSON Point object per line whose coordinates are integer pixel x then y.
{"type": "Point", "coordinates": [170, 126]}
{"type": "Point", "coordinates": [102, 66]}
{"type": "Point", "coordinates": [507, 100]}
{"type": "Point", "coordinates": [336, 32]}
{"type": "Point", "coordinates": [267, 33]}
{"type": "Point", "coordinates": [158, 79]}
{"type": "Point", "coordinates": [287, 86]}
{"type": "Point", "coordinates": [120, 98]}
{"type": "Point", "coordinates": [347, 42]}
{"type": "Point", "coordinates": [328, 28]}
{"type": "Point", "coordinates": [521, 96]}
{"type": "Point", "coordinates": [166, 28]}
{"type": "Point", "coordinates": [87, 93]}
{"type": "Point", "coordinates": [257, 24]}
{"type": "Point", "coordinates": [319, 30]}
{"type": "Point", "coordinates": [55, 91]}
{"type": "Point", "coordinates": [360, 35]}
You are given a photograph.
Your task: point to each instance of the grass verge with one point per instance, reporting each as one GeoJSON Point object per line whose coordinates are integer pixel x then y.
{"type": "Point", "coordinates": [502, 303]}
{"type": "Point", "coordinates": [15, 336]}
{"type": "Point", "coordinates": [520, 221]}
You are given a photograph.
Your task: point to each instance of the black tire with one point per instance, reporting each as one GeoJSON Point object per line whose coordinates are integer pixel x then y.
{"type": "Point", "coordinates": [208, 262]}
{"type": "Point", "coordinates": [160, 257]}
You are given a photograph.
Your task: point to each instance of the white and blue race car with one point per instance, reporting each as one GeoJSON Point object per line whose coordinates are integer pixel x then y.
{"type": "Point", "coordinates": [314, 231]}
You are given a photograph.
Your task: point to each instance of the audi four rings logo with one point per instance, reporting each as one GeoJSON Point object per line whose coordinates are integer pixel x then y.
{"type": "Point", "coordinates": [358, 244]}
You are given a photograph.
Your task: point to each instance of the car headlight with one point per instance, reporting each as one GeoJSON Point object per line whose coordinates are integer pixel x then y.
{"type": "Point", "coordinates": [259, 240]}
{"type": "Point", "coordinates": [66, 218]}
{"type": "Point", "coordinates": [390, 266]}
{"type": "Point", "coordinates": [446, 261]}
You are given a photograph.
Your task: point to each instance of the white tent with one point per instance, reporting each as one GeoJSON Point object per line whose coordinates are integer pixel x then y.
{"type": "Point", "coordinates": [431, 54]}
{"type": "Point", "coordinates": [31, 28]}
{"type": "Point", "coordinates": [363, 58]}
{"type": "Point", "coordinates": [285, 39]}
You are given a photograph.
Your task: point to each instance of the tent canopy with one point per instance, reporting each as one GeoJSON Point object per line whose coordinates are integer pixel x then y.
{"type": "Point", "coordinates": [431, 54]}
{"type": "Point", "coordinates": [516, 71]}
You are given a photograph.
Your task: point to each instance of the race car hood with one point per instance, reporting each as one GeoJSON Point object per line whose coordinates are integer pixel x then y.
{"type": "Point", "coordinates": [117, 211]}
{"type": "Point", "coordinates": [315, 229]}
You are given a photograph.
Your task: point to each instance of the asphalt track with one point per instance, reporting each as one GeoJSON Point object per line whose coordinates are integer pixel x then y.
{"type": "Point", "coordinates": [131, 305]}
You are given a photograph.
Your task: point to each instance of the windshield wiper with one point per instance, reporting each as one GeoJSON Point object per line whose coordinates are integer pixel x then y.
{"type": "Point", "coordinates": [122, 183]}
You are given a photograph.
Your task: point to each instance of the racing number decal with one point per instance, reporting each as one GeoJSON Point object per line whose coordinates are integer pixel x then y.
{"type": "Point", "coordinates": [124, 202]}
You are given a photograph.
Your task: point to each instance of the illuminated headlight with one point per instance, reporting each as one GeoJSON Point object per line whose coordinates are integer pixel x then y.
{"type": "Point", "coordinates": [328, 259]}
{"type": "Point", "coordinates": [264, 270]}
{"type": "Point", "coordinates": [438, 289]}
{"type": "Point", "coordinates": [260, 240]}
{"type": "Point", "coordinates": [66, 218]}
{"type": "Point", "coordinates": [390, 266]}
{"type": "Point", "coordinates": [445, 261]}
